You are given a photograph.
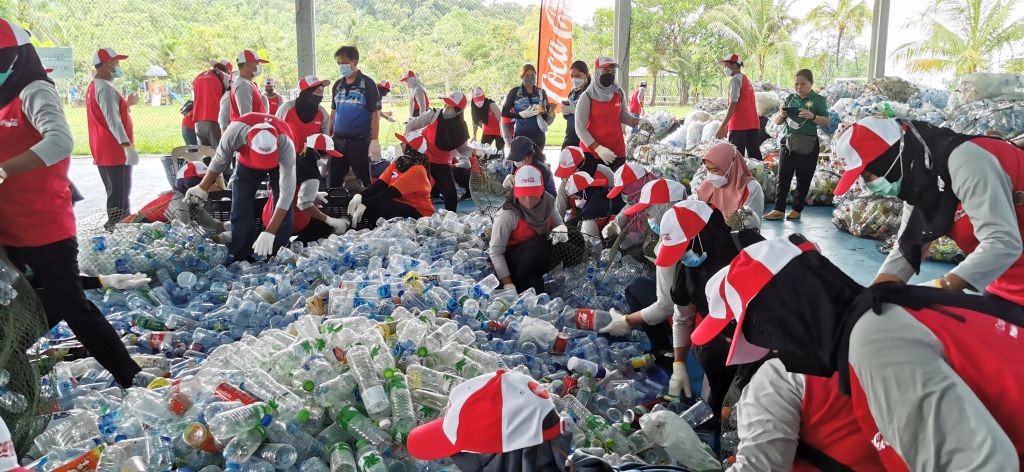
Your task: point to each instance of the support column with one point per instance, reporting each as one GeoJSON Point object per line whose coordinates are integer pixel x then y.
{"type": "Point", "coordinates": [620, 41]}
{"type": "Point", "coordinates": [879, 39]}
{"type": "Point", "coordinates": [305, 37]}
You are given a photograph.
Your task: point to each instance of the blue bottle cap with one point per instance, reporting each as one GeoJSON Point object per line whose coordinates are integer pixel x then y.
{"type": "Point", "coordinates": [267, 419]}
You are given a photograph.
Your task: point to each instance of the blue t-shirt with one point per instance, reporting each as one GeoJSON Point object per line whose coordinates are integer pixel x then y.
{"type": "Point", "coordinates": [353, 106]}
{"type": "Point", "coordinates": [519, 101]}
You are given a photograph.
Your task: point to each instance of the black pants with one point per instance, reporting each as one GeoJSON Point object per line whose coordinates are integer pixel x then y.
{"type": "Point", "coordinates": [243, 211]}
{"type": "Point", "coordinates": [387, 208]}
{"type": "Point", "coordinates": [314, 231]}
{"type": "Point", "coordinates": [462, 178]}
{"type": "Point", "coordinates": [357, 157]}
{"type": "Point", "coordinates": [118, 182]}
{"type": "Point", "coordinates": [55, 271]}
{"type": "Point", "coordinates": [640, 294]}
{"type": "Point", "coordinates": [444, 185]}
{"type": "Point", "coordinates": [747, 142]}
{"type": "Point", "coordinates": [498, 141]}
{"type": "Point", "coordinates": [528, 261]}
{"type": "Point", "coordinates": [803, 166]}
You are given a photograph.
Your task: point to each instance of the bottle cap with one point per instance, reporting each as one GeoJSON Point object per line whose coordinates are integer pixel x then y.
{"type": "Point", "coordinates": [308, 385]}
{"type": "Point", "coordinates": [421, 351]}
{"type": "Point", "coordinates": [345, 415]}
{"type": "Point", "coordinates": [389, 373]}
{"type": "Point", "coordinates": [266, 420]}
{"type": "Point", "coordinates": [303, 416]}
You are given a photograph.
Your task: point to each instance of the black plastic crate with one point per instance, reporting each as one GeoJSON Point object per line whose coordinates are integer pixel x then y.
{"type": "Point", "coordinates": [220, 209]}
{"type": "Point", "coordinates": [337, 205]}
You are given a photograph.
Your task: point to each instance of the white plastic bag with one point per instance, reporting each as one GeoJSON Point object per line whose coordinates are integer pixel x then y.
{"type": "Point", "coordinates": [674, 434]}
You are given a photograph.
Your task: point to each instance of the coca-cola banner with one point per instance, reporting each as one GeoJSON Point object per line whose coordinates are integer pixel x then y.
{"type": "Point", "coordinates": [554, 54]}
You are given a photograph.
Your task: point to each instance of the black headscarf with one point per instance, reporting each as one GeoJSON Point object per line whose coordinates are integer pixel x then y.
{"type": "Point", "coordinates": [307, 105]}
{"type": "Point", "coordinates": [410, 158]}
{"type": "Point", "coordinates": [481, 114]}
{"type": "Point", "coordinates": [934, 202]}
{"type": "Point", "coordinates": [451, 132]}
{"type": "Point", "coordinates": [27, 69]}
{"type": "Point", "coordinates": [549, 456]}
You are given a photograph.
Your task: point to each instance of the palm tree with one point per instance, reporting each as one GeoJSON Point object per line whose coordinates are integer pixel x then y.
{"type": "Point", "coordinates": [848, 17]}
{"type": "Point", "coordinates": [962, 36]}
{"type": "Point", "coordinates": [758, 29]}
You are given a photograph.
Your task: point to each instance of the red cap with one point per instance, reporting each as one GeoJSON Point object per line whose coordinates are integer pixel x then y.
{"type": "Point", "coordinates": [718, 317]}
{"type": "Point", "coordinates": [568, 161]}
{"type": "Point", "coordinates": [658, 192]}
{"type": "Point", "coordinates": [862, 144]}
{"type": "Point", "coordinates": [604, 61]}
{"type": "Point", "coordinates": [581, 181]}
{"type": "Point", "coordinates": [322, 143]}
{"type": "Point", "coordinates": [192, 169]}
{"type": "Point", "coordinates": [679, 225]}
{"type": "Point", "coordinates": [630, 172]}
{"type": "Point", "coordinates": [106, 54]}
{"type": "Point", "coordinates": [414, 140]}
{"type": "Point", "coordinates": [310, 81]}
{"type": "Point", "coordinates": [528, 182]}
{"type": "Point", "coordinates": [248, 55]}
{"type": "Point", "coordinates": [456, 99]}
{"type": "Point", "coordinates": [732, 58]}
{"type": "Point", "coordinates": [384, 84]}
{"type": "Point", "coordinates": [12, 35]}
{"type": "Point", "coordinates": [407, 75]}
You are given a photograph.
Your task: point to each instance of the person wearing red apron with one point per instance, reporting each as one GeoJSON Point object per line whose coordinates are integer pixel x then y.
{"type": "Point", "coordinates": [207, 89]}
{"type": "Point", "coordinates": [304, 115]}
{"type": "Point", "coordinates": [446, 134]}
{"type": "Point", "coordinates": [600, 113]}
{"type": "Point", "coordinates": [934, 376]}
{"type": "Point", "coordinates": [741, 123]}
{"type": "Point", "coordinates": [111, 139]}
{"type": "Point", "coordinates": [273, 99]}
{"type": "Point", "coordinates": [265, 150]}
{"type": "Point", "coordinates": [38, 224]}
{"type": "Point", "coordinates": [401, 191]}
{"type": "Point", "coordinates": [171, 207]}
{"type": "Point", "coordinates": [487, 117]}
{"type": "Point", "coordinates": [245, 95]}
{"type": "Point", "coordinates": [419, 102]}
{"type": "Point", "coordinates": [636, 102]}
{"type": "Point", "coordinates": [310, 223]}
{"type": "Point", "coordinates": [969, 188]}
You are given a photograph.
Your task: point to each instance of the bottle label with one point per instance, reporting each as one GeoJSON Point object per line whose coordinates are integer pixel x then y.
{"type": "Point", "coordinates": [228, 392]}
{"type": "Point", "coordinates": [585, 319]}
{"type": "Point", "coordinates": [569, 384]}
{"type": "Point", "coordinates": [155, 340]}
{"type": "Point", "coordinates": [561, 344]}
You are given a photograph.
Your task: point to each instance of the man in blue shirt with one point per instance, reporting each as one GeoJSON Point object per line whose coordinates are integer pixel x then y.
{"type": "Point", "coordinates": [355, 120]}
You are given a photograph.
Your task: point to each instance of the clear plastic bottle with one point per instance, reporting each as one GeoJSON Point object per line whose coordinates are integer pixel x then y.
{"type": "Point", "coordinates": [337, 391]}
{"type": "Point", "coordinates": [342, 459]}
{"type": "Point", "coordinates": [281, 456]}
{"type": "Point", "coordinates": [232, 422]}
{"type": "Point", "coordinates": [698, 414]}
{"type": "Point", "coordinates": [244, 445]}
{"type": "Point", "coordinates": [424, 378]}
{"type": "Point", "coordinates": [403, 411]}
{"type": "Point", "coordinates": [12, 401]}
{"type": "Point", "coordinates": [371, 388]}
{"type": "Point", "coordinates": [314, 464]}
{"type": "Point", "coordinates": [358, 425]}
{"type": "Point", "coordinates": [262, 385]}
{"type": "Point", "coordinates": [159, 449]}
{"type": "Point", "coordinates": [369, 458]}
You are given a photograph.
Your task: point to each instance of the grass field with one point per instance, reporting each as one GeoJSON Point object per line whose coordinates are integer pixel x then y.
{"type": "Point", "coordinates": [158, 129]}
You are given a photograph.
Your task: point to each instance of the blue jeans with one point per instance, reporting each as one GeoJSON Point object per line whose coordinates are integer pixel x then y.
{"type": "Point", "coordinates": [189, 135]}
{"type": "Point", "coordinates": [243, 211]}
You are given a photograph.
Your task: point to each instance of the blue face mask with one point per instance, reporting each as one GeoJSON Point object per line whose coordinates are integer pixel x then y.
{"type": "Point", "coordinates": [118, 72]}
{"type": "Point", "coordinates": [5, 75]}
{"type": "Point", "coordinates": [883, 188]}
{"type": "Point", "coordinates": [654, 225]}
{"type": "Point", "coordinates": [345, 70]}
{"type": "Point", "coordinates": [692, 259]}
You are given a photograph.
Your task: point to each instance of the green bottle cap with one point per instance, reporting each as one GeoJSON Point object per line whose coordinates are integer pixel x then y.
{"type": "Point", "coordinates": [626, 428]}
{"type": "Point", "coordinates": [345, 415]}
{"type": "Point", "coordinates": [308, 385]}
{"type": "Point", "coordinates": [421, 351]}
{"type": "Point", "coordinates": [389, 372]}
{"type": "Point", "coordinates": [609, 444]}
{"type": "Point", "coordinates": [273, 406]}
{"type": "Point", "coordinates": [303, 416]}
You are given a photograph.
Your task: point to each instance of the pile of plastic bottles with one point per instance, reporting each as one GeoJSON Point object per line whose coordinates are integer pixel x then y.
{"type": "Point", "coordinates": [824, 182]}
{"type": "Point", "coordinates": [893, 88]}
{"type": "Point", "coordinates": [869, 217]}
{"type": "Point", "coordinates": [840, 90]}
{"type": "Point", "coordinates": [712, 104]}
{"type": "Point", "coordinates": [941, 250]}
{"type": "Point", "coordinates": [148, 248]}
{"type": "Point", "coordinates": [662, 123]}
{"type": "Point", "coordinates": [682, 168]}
{"type": "Point", "coordinates": [929, 97]}
{"type": "Point", "coordinates": [983, 116]}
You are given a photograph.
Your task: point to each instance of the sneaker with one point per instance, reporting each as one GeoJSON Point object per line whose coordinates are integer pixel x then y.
{"type": "Point", "coordinates": [793, 215]}
{"type": "Point", "coordinates": [774, 215]}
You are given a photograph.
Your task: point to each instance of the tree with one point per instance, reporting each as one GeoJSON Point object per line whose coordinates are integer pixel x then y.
{"type": "Point", "coordinates": [757, 29]}
{"type": "Point", "coordinates": [847, 17]}
{"type": "Point", "coordinates": [977, 30]}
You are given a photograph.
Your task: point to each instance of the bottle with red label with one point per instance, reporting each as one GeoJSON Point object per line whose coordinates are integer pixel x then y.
{"type": "Point", "coordinates": [592, 320]}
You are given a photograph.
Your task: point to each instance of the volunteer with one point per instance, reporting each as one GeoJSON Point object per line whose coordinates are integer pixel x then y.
{"type": "Point", "coordinates": [800, 147]}
{"type": "Point", "coordinates": [600, 113]}
{"type": "Point", "coordinates": [446, 133]}
{"type": "Point", "coordinates": [650, 299]}
{"type": "Point", "coordinates": [173, 206]}
{"type": "Point", "coordinates": [730, 187]}
{"type": "Point", "coordinates": [38, 230]}
{"type": "Point", "coordinates": [628, 182]}
{"type": "Point", "coordinates": [310, 223]}
{"type": "Point", "coordinates": [524, 231]}
{"type": "Point", "coordinates": [527, 105]}
{"type": "Point", "coordinates": [304, 115]}
{"type": "Point", "coordinates": [207, 89]}
{"type": "Point", "coordinates": [273, 99]}
{"type": "Point", "coordinates": [265, 150]}
{"type": "Point", "coordinates": [418, 100]}
{"type": "Point", "coordinates": [224, 116]}
{"type": "Point", "coordinates": [579, 73]}
{"type": "Point", "coordinates": [523, 151]}
{"type": "Point", "coordinates": [741, 123]}
{"type": "Point", "coordinates": [966, 187]}
{"type": "Point", "coordinates": [383, 89]}
{"type": "Point", "coordinates": [245, 95]}
{"type": "Point", "coordinates": [188, 124]}
{"type": "Point", "coordinates": [483, 438]}
{"type": "Point", "coordinates": [487, 115]}
{"type": "Point", "coordinates": [934, 375]}
{"type": "Point", "coordinates": [593, 206]}
{"type": "Point", "coordinates": [401, 191]}
{"type": "Point", "coordinates": [636, 102]}
{"type": "Point", "coordinates": [111, 139]}
{"type": "Point", "coordinates": [355, 120]}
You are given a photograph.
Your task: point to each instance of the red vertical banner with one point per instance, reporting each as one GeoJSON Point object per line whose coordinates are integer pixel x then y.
{"type": "Point", "coordinates": [554, 53]}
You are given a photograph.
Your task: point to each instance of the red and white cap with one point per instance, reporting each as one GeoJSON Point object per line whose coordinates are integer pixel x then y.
{"type": "Point", "coordinates": [106, 54]}
{"type": "Point", "coordinates": [311, 81]}
{"type": "Point", "coordinates": [384, 84]}
{"type": "Point", "coordinates": [749, 272]}
{"type": "Point", "coordinates": [414, 140]}
{"type": "Point", "coordinates": [323, 143]}
{"type": "Point", "coordinates": [657, 192]}
{"type": "Point", "coordinates": [581, 181]}
{"type": "Point", "coordinates": [478, 95]}
{"type": "Point", "coordinates": [12, 35]}
{"type": "Point", "coordinates": [227, 64]}
{"type": "Point", "coordinates": [678, 226]}
{"type": "Point", "coordinates": [528, 182]}
{"type": "Point", "coordinates": [407, 75]}
{"type": "Point", "coordinates": [262, 139]}
{"type": "Point", "coordinates": [718, 316]}
{"type": "Point", "coordinates": [732, 58]}
{"type": "Point", "coordinates": [457, 99]}
{"type": "Point", "coordinates": [568, 161]}
{"type": "Point", "coordinates": [270, 81]}
{"type": "Point", "coordinates": [8, 456]}
{"type": "Point", "coordinates": [192, 169]}
{"type": "Point", "coordinates": [860, 145]}
{"type": "Point", "coordinates": [488, 414]}
{"type": "Point", "coordinates": [248, 55]}
{"type": "Point", "coordinates": [604, 61]}
{"type": "Point", "coordinates": [630, 172]}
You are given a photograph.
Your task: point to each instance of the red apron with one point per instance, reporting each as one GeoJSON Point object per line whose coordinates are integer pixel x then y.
{"type": "Point", "coordinates": [826, 425]}
{"type": "Point", "coordinates": [605, 126]}
{"type": "Point", "coordinates": [435, 154]}
{"type": "Point", "coordinates": [745, 117]}
{"type": "Point", "coordinates": [416, 106]}
{"type": "Point", "coordinates": [521, 234]}
{"type": "Point", "coordinates": [1009, 285]}
{"type": "Point", "coordinates": [300, 220]}
{"type": "Point", "coordinates": [635, 107]}
{"type": "Point", "coordinates": [106, 149]}
{"type": "Point", "coordinates": [300, 130]}
{"type": "Point", "coordinates": [155, 210]}
{"type": "Point", "coordinates": [257, 102]}
{"type": "Point", "coordinates": [275, 103]}
{"type": "Point", "coordinates": [249, 158]}
{"type": "Point", "coordinates": [493, 126]}
{"type": "Point", "coordinates": [207, 88]}
{"type": "Point", "coordinates": [35, 207]}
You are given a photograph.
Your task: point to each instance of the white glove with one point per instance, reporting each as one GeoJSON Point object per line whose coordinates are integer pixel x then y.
{"type": "Point", "coordinates": [509, 287]}
{"type": "Point", "coordinates": [131, 156]}
{"type": "Point", "coordinates": [680, 381]}
{"type": "Point", "coordinates": [357, 200]}
{"type": "Point", "coordinates": [619, 326]}
{"type": "Point", "coordinates": [196, 195]}
{"type": "Point", "coordinates": [375, 151]}
{"type": "Point", "coordinates": [568, 109]}
{"type": "Point", "coordinates": [340, 225]}
{"type": "Point", "coordinates": [264, 244]}
{"type": "Point", "coordinates": [559, 235]}
{"type": "Point", "coordinates": [357, 215]}
{"type": "Point", "coordinates": [611, 230]}
{"type": "Point", "coordinates": [529, 112]}
{"type": "Point", "coordinates": [124, 281]}
{"type": "Point", "coordinates": [644, 123]}
{"type": "Point", "coordinates": [607, 155]}
{"type": "Point", "coordinates": [508, 182]}
{"type": "Point", "coordinates": [321, 197]}
{"type": "Point", "coordinates": [3, 175]}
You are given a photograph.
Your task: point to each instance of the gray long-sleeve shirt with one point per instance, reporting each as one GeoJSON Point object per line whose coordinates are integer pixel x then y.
{"type": "Point", "coordinates": [425, 119]}
{"type": "Point", "coordinates": [109, 100]}
{"type": "Point", "coordinates": [985, 191]}
{"type": "Point", "coordinates": [768, 419]}
{"type": "Point", "coordinates": [418, 98]}
{"type": "Point", "coordinates": [236, 135]}
{"type": "Point", "coordinates": [224, 117]}
{"type": "Point", "coordinates": [504, 224]}
{"type": "Point", "coordinates": [45, 112]}
{"type": "Point", "coordinates": [583, 117]}
{"type": "Point", "coordinates": [244, 96]}
{"type": "Point", "coordinates": [325, 125]}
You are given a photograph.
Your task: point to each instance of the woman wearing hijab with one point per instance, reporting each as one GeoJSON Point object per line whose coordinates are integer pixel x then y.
{"type": "Point", "coordinates": [934, 375]}
{"type": "Point", "coordinates": [579, 73]}
{"type": "Point", "coordinates": [419, 102]}
{"type": "Point", "coordinates": [591, 202]}
{"type": "Point", "coordinates": [522, 152]}
{"type": "Point", "coordinates": [970, 188]}
{"type": "Point", "coordinates": [524, 231]}
{"type": "Point", "coordinates": [730, 187]}
{"type": "Point", "coordinates": [304, 114]}
{"type": "Point", "coordinates": [446, 133]}
{"type": "Point", "coordinates": [629, 180]}
{"type": "Point", "coordinates": [401, 191]}
{"type": "Point", "coordinates": [37, 223]}
{"type": "Point", "coordinates": [527, 104]}
{"type": "Point", "coordinates": [600, 113]}
{"type": "Point", "coordinates": [487, 116]}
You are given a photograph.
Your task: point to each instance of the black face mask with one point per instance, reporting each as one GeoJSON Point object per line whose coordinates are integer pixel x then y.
{"type": "Point", "coordinates": [607, 80]}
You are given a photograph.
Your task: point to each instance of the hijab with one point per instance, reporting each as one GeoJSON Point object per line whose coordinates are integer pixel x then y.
{"type": "Point", "coordinates": [729, 197]}
{"type": "Point", "coordinates": [451, 132]}
{"type": "Point", "coordinates": [549, 456]}
{"type": "Point", "coordinates": [601, 93]}
{"type": "Point", "coordinates": [410, 158]}
{"type": "Point", "coordinates": [307, 105]}
{"type": "Point", "coordinates": [538, 217]}
{"type": "Point", "coordinates": [27, 69]}
{"type": "Point", "coordinates": [481, 114]}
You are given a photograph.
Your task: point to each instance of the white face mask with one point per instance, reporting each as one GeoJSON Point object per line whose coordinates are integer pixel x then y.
{"type": "Point", "coordinates": [259, 70]}
{"type": "Point", "coordinates": [727, 71]}
{"type": "Point", "coordinates": [580, 202]}
{"type": "Point", "coordinates": [519, 164]}
{"type": "Point", "coordinates": [578, 82]}
{"type": "Point", "coordinates": [718, 181]}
